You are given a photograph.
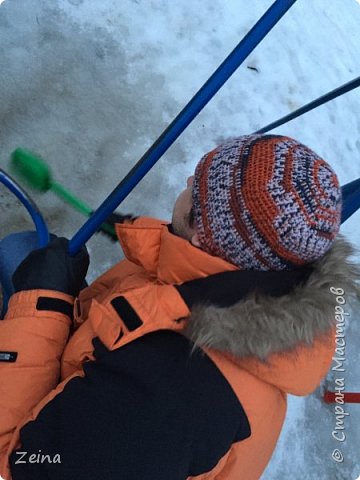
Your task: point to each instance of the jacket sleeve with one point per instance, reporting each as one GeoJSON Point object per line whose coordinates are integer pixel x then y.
{"type": "Point", "coordinates": [148, 410]}
{"type": "Point", "coordinates": [33, 335]}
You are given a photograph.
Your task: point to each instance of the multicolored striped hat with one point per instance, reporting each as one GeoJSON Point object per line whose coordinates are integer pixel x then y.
{"type": "Point", "coordinates": [266, 202]}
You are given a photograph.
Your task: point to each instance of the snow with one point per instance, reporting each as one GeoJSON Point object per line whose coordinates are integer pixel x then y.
{"type": "Point", "coordinates": [90, 85]}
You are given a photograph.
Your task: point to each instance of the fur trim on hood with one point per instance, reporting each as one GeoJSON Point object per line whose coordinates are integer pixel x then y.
{"type": "Point", "coordinates": [260, 325]}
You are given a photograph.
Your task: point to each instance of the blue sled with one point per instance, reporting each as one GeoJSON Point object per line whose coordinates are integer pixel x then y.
{"type": "Point", "coordinates": [351, 199]}
{"type": "Point", "coordinates": [13, 249]}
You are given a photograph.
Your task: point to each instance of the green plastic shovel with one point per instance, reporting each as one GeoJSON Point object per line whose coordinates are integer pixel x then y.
{"type": "Point", "coordinates": [37, 174]}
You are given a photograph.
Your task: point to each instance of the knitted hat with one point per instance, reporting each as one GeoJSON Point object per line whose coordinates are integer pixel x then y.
{"type": "Point", "coordinates": [266, 202]}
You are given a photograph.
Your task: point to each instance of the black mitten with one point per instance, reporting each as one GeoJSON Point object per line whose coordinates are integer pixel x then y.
{"type": "Point", "coordinates": [52, 268]}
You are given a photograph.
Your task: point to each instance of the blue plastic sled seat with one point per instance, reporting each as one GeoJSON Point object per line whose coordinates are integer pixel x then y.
{"type": "Point", "coordinates": [13, 249]}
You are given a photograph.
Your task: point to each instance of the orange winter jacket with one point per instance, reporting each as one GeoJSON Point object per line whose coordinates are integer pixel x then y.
{"type": "Point", "coordinates": [264, 348]}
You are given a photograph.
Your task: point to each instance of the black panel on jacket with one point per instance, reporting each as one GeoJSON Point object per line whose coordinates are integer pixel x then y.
{"type": "Point", "coordinates": [146, 411]}
{"type": "Point", "coordinates": [227, 288]}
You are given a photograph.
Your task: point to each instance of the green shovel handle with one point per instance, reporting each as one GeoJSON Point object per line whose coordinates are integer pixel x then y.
{"type": "Point", "coordinates": [79, 205]}
{"type": "Point", "coordinates": [70, 198]}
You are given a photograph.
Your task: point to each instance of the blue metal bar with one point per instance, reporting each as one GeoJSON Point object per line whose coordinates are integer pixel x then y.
{"type": "Point", "coordinates": [351, 199]}
{"type": "Point", "coordinates": [41, 231]}
{"type": "Point", "coordinates": [185, 117]}
{"type": "Point", "coordinates": [314, 104]}
{"type": "Point", "coordinates": [30, 206]}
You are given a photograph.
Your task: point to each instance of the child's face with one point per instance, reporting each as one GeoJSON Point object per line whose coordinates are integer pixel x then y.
{"type": "Point", "coordinates": [181, 214]}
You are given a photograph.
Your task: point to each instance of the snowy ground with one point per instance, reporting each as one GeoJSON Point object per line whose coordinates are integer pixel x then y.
{"type": "Point", "coordinates": [91, 84]}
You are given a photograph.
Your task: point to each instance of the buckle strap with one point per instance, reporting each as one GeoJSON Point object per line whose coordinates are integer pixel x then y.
{"type": "Point", "coordinates": [128, 315]}
{"type": "Point", "coordinates": [55, 305]}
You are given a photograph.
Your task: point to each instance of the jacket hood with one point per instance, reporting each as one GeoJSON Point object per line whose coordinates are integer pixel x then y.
{"type": "Point", "coordinates": [288, 341]}
{"type": "Point", "coordinates": [275, 338]}
{"type": "Point", "coordinates": [260, 325]}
